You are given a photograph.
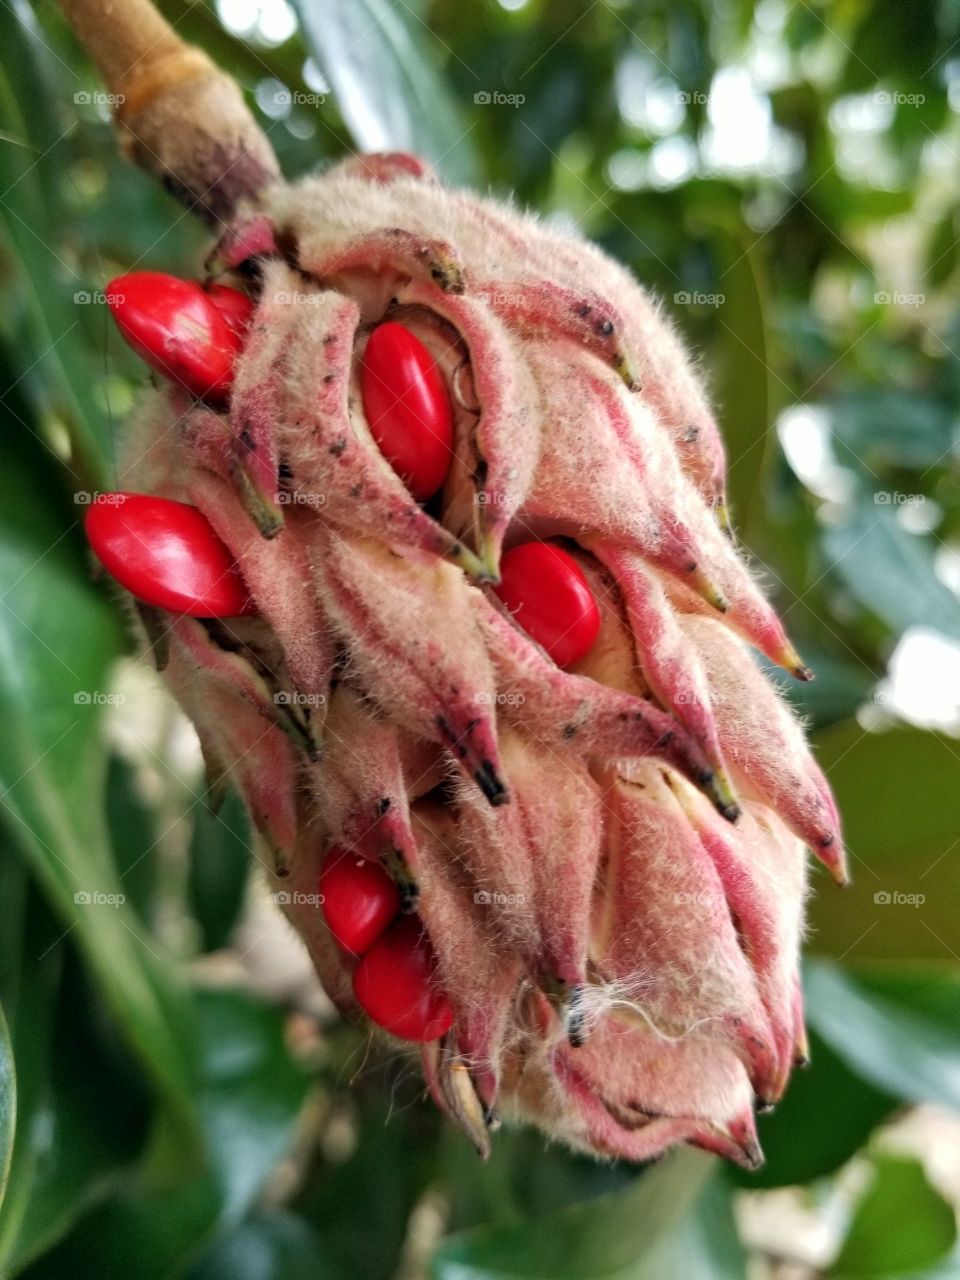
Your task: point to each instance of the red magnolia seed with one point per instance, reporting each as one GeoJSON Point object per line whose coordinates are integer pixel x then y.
{"type": "Point", "coordinates": [235, 307]}
{"type": "Point", "coordinates": [545, 590]}
{"type": "Point", "coordinates": [166, 554]}
{"type": "Point", "coordinates": [177, 329]}
{"type": "Point", "coordinates": [359, 900]}
{"type": "Point", "coordinates": [408, 408]}
{"type": "Point", "coordinates": [395, 984]}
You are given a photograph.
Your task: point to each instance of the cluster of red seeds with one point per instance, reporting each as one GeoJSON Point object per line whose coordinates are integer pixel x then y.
{"type": "Point", "coordinates": [166, 554]}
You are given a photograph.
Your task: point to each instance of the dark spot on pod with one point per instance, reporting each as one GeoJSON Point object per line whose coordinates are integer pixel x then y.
{"type": "Point", "coordinates": [479, 476]}
{"type": "Point", "coordinates": [691, 434]}
{"type": "Point", "coordinates": [383, 805]}
{"type": "Point", "coordinates": [490, 784]}
{"type": "Point", "coordinates": [491, 1118]}
{"type": "Point", "coordinates": [327, 339]}
{"type": "Point", "coordinates": [826, 841]}
{"type": "Point", "coordinates": [605, 328]}
{"type": "Point", "coordinates": [338, 446]}
{"type": "Point", "coordinates": [665, 738]}
{"type": "Point", "coordinates": [356, 491]}
{"type": "Point", "coordinates": [329, 377]}
{"type": "Point", "coordinates": [286, 242]}
{"type": "Point", "coordinates": [409, 899]}
{"type": "Point", "coordinates": [583, 310]}
{"type": "Point", "coordinates": [472, 724]}
{"type": "Point", "coordinates": [568, 731]}
{"type": "Point", "coordinates": [246, 438]}
{"type": "Point", "coordinates": [575, 1019]}
{"type": "Point", "coordinates": [284, 473]}
{"type": "Point", "coordinates": [762, 1106]}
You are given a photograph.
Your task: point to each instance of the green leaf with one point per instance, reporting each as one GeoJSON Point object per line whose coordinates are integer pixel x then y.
{"type": "Point", "coordinates": [82, 1105]}
{"type": "Point", "coordinates": [925, 1227]}
{"type": "Point", "coordinates": [31, 218]}
{"type": "Point", "coordinates": [669, 1222]}
{"type": "Point", "coordinates": [743, 393]}
{"type": "Point", "coordinates": [877, 429]}
{"type": "Point", "coordinates": [58, 637]}
{"type": "Point", "coordinates": [902, 1035]}
{"type": "Point", "coordinates": [249, 1094]}
{"type": "Point", "coordinates": [8, 1103]}
{"type": "Point", "coordinates": [890, 571]}
{"type": "Point", "coordinates": [220, 861]}
{"type": "Point", "coordinates": [838, 692]}
{"type": "Point", "coordinates": [270, 1245]}
{"type": "Point", "coordinates": [824, 1119]}
{"type": "Point", "coordinates": [901, 817]}
{"type": "Point", "coordinates": [386, 84]}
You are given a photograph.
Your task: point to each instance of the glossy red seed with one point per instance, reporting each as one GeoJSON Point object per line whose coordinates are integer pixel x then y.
{"type": "Point", "coordinates": [545, 590]}
{"type": "Point", "coordinates": [395, 984]}
{"type": "Point", "coordinates": [235, 307]}
{"type": "Point", "coordinates": [359, 900]}
{"type": "Point", "coordinates": [166, 554]}
{"type": "Point", "coordinates": [177, 329]}
{"type": "Point", "coordinates": [408, 408]}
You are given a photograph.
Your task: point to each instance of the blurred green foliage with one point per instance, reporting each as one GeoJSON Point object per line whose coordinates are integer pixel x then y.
{"type": "Point", "coordinates": [785, 176]}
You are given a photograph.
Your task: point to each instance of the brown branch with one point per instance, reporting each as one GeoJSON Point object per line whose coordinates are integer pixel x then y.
{"type": "Point", "coordinates": [180, 117]}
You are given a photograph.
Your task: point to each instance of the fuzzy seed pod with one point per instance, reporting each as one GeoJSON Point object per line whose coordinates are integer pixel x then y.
{"type": "Point", "coordinates": [607, 858]}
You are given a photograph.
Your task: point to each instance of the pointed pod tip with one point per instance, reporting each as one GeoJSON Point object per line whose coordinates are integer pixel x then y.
{"type": "Point", "coordinates": [709, 590]}
{"type": "Point", "coordinates": [790, 660]}
{"type": "Point", "coordinates": [719, 790]}
{"type": "Point", "coordinates": [491, 784]}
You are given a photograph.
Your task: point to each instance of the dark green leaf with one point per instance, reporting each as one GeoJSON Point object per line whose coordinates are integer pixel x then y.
{"type": "Point", "coordinates": [269, 1245]}
{"type": "Point", "coordinates": [248, 1098]}
{"type": "Point", "coordinates": [653, 1229]}
{"type": "Point", "coordinates": [82, 1107]}
{"type": "Point", "coordinates": [58, 637]}
{"type": "Point", "coordinates": [827, 1114]}
{"type": "Point", "coordinates": [906, 1037]}
{"type": "Point", "coordinates": [220, 860]}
